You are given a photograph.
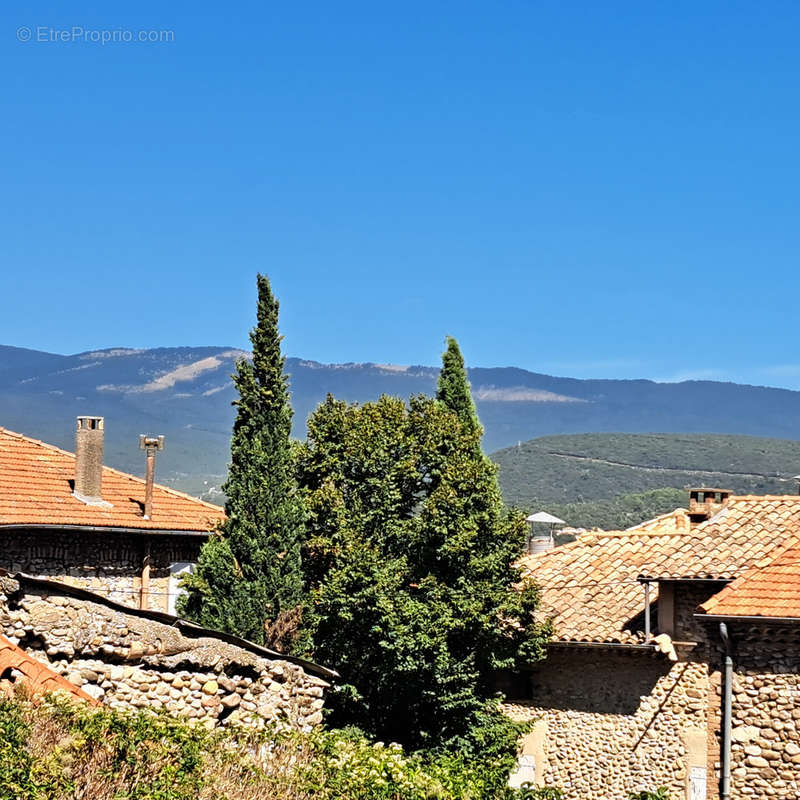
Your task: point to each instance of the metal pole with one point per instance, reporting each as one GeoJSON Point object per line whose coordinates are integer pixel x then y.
{"type": "Point", "coordinates": [727, 703]}
{"type": "Point", "coordinates": [646, 611]}
{"type": "Point", "coordinates": [149, 475]}
{"type": "Point", "coordinates": [150, 444]}
{"type": "Point", "coordinates": [144, 594]}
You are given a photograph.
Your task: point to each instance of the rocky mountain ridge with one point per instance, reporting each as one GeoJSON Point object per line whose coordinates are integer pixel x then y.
{"type": "Point", "coordinates": [186, 394]}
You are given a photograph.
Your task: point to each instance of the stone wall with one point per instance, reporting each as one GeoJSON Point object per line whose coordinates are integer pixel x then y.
{"type": "Point", "coordinates": [611, 721]}
{"type": "Point", "coordinates": [128, 659]}
{"type": "Point", "coordinates": [765, 757]}
{"type": "Point", "coordinates": [109, 564]}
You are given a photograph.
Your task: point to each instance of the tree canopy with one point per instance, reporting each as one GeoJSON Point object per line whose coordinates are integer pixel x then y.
{"type": "Point", "coordinates": [409, 568]}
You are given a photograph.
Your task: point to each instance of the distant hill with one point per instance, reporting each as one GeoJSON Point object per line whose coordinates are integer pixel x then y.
{"type": "Point", "coordinates": [617, 480]}
{"type": "Point", "coordinates": [186, 394]}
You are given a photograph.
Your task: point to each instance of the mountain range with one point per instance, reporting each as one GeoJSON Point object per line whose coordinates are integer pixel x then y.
{"type": "Point", "coordinates": [186, 394]}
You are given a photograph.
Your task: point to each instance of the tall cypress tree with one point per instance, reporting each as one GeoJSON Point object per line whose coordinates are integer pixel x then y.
{"type": "Point", "coordinates": [248, 580]}
{"type": "Point", "coordinates": [453, 388]}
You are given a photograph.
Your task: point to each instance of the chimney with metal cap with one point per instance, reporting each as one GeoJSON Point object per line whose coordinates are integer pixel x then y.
{"type": "Point", "coordinates": [150, 444]}
{"type": "Point", "coordinates": [541, 539]}
{"type": "Point", "coordinates": [89, 460]}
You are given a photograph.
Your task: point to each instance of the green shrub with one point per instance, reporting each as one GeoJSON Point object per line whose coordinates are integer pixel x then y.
{"type": "Point", "coordinates": [659, 794]}
{"type": "Point", "coordinates": [60, 751]}
{"type": "Point", "coordinates": [21, 777]}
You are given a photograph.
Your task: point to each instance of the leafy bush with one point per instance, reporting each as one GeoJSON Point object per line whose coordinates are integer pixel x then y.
{"type": "Point", "coordinates": [409, 569]}
{"type": "Point", "coordinates": [58, 751]}
{"type": "Point", "coordinates": [659, 794]}
{"type": "Point", "coordinates": [20, 775]}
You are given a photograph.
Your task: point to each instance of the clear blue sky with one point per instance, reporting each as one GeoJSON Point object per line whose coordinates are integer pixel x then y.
{"type": "Point", "coordinates": [590, 189]}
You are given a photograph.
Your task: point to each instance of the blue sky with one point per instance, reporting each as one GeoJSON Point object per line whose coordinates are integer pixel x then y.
{"type": "Point", "coordinates": [588, 189]}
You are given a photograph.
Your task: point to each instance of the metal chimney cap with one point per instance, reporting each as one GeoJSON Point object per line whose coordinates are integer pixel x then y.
{"type": "Point", "coordinates": [543, 516]}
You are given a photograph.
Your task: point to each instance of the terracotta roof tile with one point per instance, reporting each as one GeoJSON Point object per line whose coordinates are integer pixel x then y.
{"type": "Point", "coordinates": [35, 675]}
{"type": "Point", "coordinates": [36, 489]}
{"type": "Point", "coordinates": [772, 590]}
{"type": "Point", "coordinates": [590, 588]}
{"type": "Point", "coordinates": [733, 540]}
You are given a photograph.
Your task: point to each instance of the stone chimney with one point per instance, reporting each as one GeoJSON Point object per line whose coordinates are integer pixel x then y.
{"type": "Point", "coordinates": [89, 460]}
{"type": "Point", "coordinates": [705, 502]}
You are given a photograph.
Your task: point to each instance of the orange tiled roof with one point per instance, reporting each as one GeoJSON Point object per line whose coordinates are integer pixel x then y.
{"type": "Point", "coordinates": [37, 677]}
{"type": "Point", "coordinates": [769, 591]}
{"type": "Point", "coordinates": [677, 520]}
{"type": "Point", "coordinates": [739, 536]}
{"type": "Point", "coordinates": [35, 489]}
{"type": "Point", "coordinates": [590, 588]}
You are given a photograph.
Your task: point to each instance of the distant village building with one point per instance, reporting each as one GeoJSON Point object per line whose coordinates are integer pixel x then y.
{"type": "Point", "coordinates": [66, 516]}
{"type": "Point", "coordinates": [676, 656]}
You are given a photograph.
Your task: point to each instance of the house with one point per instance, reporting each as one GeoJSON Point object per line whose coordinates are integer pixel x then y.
{"type": "Point", "coordinates": [676, 656]}
{"type": "Point", "coordinates": [68, 517]}
{"type": "Point", "coordinates": [89, 569]}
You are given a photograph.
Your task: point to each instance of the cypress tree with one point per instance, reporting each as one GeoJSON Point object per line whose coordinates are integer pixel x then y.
{"type": "Point", "coordinates": [453, 388]}
{"type": "Point", "coordinates": [248, 579]}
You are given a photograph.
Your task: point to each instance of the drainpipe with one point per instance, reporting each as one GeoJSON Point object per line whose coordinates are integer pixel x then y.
{"type": "Point", "coordinates": [144, 592]}
{"type": "Point", "coordinates": [727, 694]}
{"type": "Point", "coordinates": [646, 611]}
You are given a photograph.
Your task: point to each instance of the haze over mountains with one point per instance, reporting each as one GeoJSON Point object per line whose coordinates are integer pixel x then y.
{"type": "Point", "coordinates": [186, 393]}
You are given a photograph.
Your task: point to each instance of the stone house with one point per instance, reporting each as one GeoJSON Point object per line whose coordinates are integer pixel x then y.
{"type": "Point", "coordinates": [66, 516]}
{"type": "Point", "coordinates": [89, 573]}
{"type": "Point", "coordinates": [676, 656]}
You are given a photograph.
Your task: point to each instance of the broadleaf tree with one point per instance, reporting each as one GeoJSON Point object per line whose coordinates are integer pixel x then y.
{"type": "Point", "coordinates": [248, 579]}
{"type": "Point", "coordinates": [409, 569]}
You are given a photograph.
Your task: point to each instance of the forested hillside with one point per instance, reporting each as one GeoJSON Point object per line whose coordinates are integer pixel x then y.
{"type": "Point", "coordinates": [618, 480]}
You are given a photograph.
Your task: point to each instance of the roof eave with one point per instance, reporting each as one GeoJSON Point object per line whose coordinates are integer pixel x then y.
{"type": "Point", "coordinates": [104, 529]}
{"type": "Point", "coordinates": [672, 578]}
{"type": "Point", "coordinates": [625, 645]}
{"type": "Point", "coordinates": [747, 618]}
